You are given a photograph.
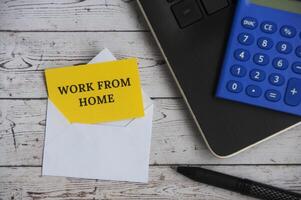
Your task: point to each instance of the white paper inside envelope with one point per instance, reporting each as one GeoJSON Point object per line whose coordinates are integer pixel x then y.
{"type": "Point", "coordinates": [108, 151]}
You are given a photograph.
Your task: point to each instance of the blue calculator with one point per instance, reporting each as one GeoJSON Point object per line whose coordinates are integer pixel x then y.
{"type": "Point", "coordinates": [262, 65]}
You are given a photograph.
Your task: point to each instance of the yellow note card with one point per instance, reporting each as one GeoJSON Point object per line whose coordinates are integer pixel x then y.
{"type": "Point", "coordinates": [94, 93]}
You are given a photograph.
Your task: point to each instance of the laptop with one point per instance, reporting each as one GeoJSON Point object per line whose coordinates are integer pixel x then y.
{"type": "Point", "coordinates": [193, 35]}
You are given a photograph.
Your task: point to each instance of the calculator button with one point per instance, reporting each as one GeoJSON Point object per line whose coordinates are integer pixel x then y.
{"type": "Point", "coordinates": [249, 23]}
{"type": "Point", "coordinates": [293, 92]}
{"type": "Point", "coordinates": [261, 59]}
{"type": "Point", "coordinates": [253, 91]}
{"type": "Point", "coordinates": [245, 39]}
{"type": "Point", "coordinates": [288, 31]}
{"type": "Point", "coordinates": [276, 79]}
{"type": "Point", "coordinates": [268, 27]}
{"type": "Point", "coordinates": [242, 55]}
{"type": "Point", "coordinates": [272, 95]}
{"type": "Point", "coordinates": [238, 71]}
{"type": "Point", "coordinates": [280, 63]}
{"type": "Point", "coordinates": [296, 67]}
{"type": "Point", "coordinates": [265, 43]}
{"type": "Point", "coordinates": [234, 86]}
{"type": "Point", "coordinates": [187, 12]}
{"type": "Point", "coordinates": [298, 51]}
{"type": "Point", "coordinates": [284, 47]}
{"type": "Point", "coordinates": [257, 75]}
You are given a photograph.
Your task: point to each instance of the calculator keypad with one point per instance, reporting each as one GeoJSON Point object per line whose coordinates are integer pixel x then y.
{"type": "Point", "coordinates": [280, 63]}
{"type": "Point", "coordinates": [266, 65]}
{"type": "Point", "coordinates": [276, 79]}
{"type": "Point", "coordinates": [234, 86]}
{"type": "Point", "coordinates": [272, 95]}
{"type": "Point", "coordinates": [293, 92]}
{"type": "Point", "coordinates": [288, 31]}
{"type": "Point", "coordinates": [249, 23]}
{"type": "Point", "coordinates": [238, 71]}
{"type": "Point", "coordinates": [268, 27]}
{"type": "Point", "coordinates": [261, 59]}
{"type": "Point", "coordinates": [242, 55]}
{"type": "Point", "coordinates": [265, 43]}
{"type": "Point", "coordinates": [245, 39]}
{"type": "Point", "coordinates": [257, 75]}
{"type": "Point", "coordinates": [253, 91]}
{"type": "Point", "coordinates": [284, 47]}
{"type": "Point", "coordinates": [296, 67]}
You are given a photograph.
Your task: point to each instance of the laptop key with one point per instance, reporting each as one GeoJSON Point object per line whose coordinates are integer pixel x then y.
{"type": "Point", "coordinates": [187, 12]}
{"type": "Point", "coordinates": [171, 1]}
{"type": "Point", "coordinates": [212, 6]}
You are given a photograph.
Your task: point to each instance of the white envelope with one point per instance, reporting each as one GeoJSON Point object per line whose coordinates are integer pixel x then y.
{"type": "Point", "coordinates": [110, 151]}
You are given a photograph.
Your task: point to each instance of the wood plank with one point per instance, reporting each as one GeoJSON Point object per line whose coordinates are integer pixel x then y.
{"type": "Point", "coordinates": [23, 56]}
{"type": "Point", "coordinates": [175, 139]}
{"type": "Point", "coordinates": [69, 15]}
{"type": "Point", "coordinates": [165, 183]}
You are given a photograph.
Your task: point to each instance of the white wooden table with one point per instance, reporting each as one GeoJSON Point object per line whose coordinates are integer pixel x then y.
{"type": "Point", "coordinates": [38, 34]}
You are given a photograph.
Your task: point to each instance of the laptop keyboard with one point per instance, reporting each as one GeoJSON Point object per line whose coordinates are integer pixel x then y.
{"type": "Point", "coordinates": [213, 6]}
{"type": "Point", "coordinates": [188, 12]}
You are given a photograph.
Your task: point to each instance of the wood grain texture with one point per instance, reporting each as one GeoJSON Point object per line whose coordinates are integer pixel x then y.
{"type": "Point", "coordinates": [70, 15]}
{"type": "Point", "coordinates": [27, 184]}
{"type": "Point", "coordinates": [24, 56]}
{"type": "Point", "coordinates": [38, 34]}
{"type": "Point", "coordinates": [175, 139]}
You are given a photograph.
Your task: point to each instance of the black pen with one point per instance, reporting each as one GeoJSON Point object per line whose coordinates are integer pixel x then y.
{"type": "Point", "coordinates": [243, 186]}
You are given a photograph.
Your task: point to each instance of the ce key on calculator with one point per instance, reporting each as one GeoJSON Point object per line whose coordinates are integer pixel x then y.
{"type": "Point", "coordinates": [262, 65]}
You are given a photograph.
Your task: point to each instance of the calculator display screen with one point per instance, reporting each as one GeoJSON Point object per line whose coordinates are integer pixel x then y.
{"type": "Point", "coordinates": [286, 5]}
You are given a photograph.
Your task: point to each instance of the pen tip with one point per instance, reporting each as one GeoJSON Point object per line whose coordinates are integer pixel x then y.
{"type": "Point", "coordinates": [187, 171]}
{"type": "Point", "coordinates": [181, 169]}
